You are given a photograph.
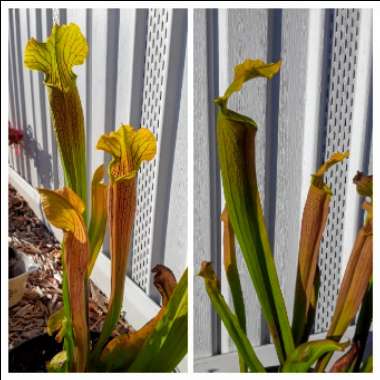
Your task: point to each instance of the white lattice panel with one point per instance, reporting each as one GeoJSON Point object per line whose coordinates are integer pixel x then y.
{"type": "Point", "coordinates": [344, 40]}
{"type": "Point", "coordinates": [156, 63]}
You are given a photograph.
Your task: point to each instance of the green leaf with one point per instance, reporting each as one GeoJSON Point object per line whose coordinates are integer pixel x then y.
{"type": "Point", "coordinates": [236, 150]}
{"type": "Point", "coordinates": [363, 324]}
{"type": "Point", "coordinates": [58, 363]}
{"type": "Point", "coordinates": [60, 323]}
{"type": "Point", "coordinates": [68, 340]}
{"type": "Point", "coordinates": [368, 365]}
{"type": "Point", "coordinates": [230, 321]}
{"type": "Point", "coordinates": [98, 219]}
{"type": "Point", "coordinates": [167, 345]}
{"type": "Point", "coordinates": [233, 278]}
{"type": "Point", "coordinates": [313, 225]}
{"type": "Point", "coordinates": [305, 355]}
{"type": "Point", "coordinates": [64, 48]}
{"type": "Point", "coordinates": [55, 321]}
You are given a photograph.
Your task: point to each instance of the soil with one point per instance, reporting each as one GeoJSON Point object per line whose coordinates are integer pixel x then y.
{"type": "Point", "coordinates": [33, 355]}
{"type": "Point", "coordinates": [43, 295]}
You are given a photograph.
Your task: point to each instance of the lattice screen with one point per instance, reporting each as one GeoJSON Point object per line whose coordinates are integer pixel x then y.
{"type": "Point", "coordinates": [156, 65]}
{"type": "Point", "coordinates": [344, 49]}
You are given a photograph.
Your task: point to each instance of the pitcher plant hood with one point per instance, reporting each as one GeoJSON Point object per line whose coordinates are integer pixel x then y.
{"type": "Point", "coordinates": [63, 49]}
{"type": "Point", "coordinates": [129, 147]}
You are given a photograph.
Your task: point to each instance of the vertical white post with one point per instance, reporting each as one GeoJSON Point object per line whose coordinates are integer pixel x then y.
{"type": "Point", "coordinates": [358, 132]}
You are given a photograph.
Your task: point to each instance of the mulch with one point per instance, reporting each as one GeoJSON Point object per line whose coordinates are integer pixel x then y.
{"type": "Point", "coordinates": [43, 295]}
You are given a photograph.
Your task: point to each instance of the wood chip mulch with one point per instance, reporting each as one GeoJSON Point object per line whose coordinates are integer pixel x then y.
{"type": "Point", "coordinates": [43, 294]}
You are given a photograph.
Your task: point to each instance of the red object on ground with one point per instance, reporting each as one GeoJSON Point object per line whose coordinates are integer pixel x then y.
{"type": "Point", "coordinates": [14, 135]}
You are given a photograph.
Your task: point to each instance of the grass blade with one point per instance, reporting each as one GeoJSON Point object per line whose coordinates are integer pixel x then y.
{"type": "Point", "coordinates": [233, 278]}
{"type": "Point", "coordinates": [98, 219]}
{"type": "Point", "coordinates": [363, 325]}
{"type": "Point", "coordinates": [368, 365]}
{"type": "Point", "coordinates": [230, 321]}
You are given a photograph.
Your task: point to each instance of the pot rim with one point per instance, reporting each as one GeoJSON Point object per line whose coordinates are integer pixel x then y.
{"type": "Point", "coordinates": [30, 265]}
